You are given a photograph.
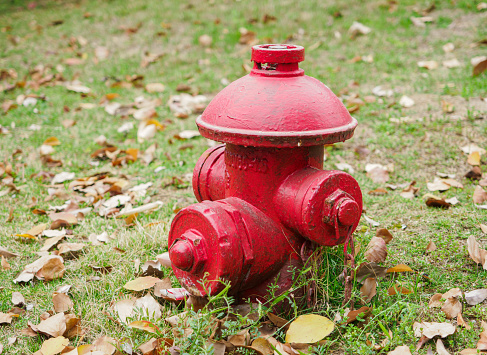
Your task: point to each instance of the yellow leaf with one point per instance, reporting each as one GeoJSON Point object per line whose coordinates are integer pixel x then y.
{"type": "Point", "coordinates": [144, 325]}
{"type": "Point", "coordinates": [400, 268]}
{"type": "Point", "coordinates": [156, 123]}
{"type": "Point", "coordinates": [52, 141]}
{"type": "Point", "coordinates": [54, 346]}
{"type": "Point", "coordinates": [474, 158]}
{"type": "Point", "coordinates": [25, 235]}
{"type": "Point", "coordinates": [141, 283]}
{"type": "Point", "coordinates": [309, 328]}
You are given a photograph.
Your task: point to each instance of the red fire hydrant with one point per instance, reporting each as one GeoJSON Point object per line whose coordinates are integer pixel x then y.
{"type": "Point", "coordinates": [264, 193]}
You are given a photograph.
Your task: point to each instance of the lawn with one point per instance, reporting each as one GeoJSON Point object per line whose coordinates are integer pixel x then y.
{"type": "Point", "coordinates": [81, 84]}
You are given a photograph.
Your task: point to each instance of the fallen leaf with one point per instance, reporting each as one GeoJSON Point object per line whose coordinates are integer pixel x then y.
{"type": "Point", "coordinates": [400, 350]}
{"type": "Point", "coordinates": [105, 345]}
{"type": "Point", "coordinates": [376, 250]}
{"type": "Point", "coordinates": [358, 29]}
{"type": "Point", "coordinates": [433, 201]}
{"type": "Point", "coordinates": [309, 328]}
{"type": "Point", "coordinates": [370, 221]}
{"type": "Point", "coordinates": [35, 231]}
{"type": "Point", "coordinates": [476, 296]}
{"type": "Point", "coordinates": [406, 101]}
{"type": "Point", "coordinates": [6, 318]}
{"type": "Point", "coordinates": [400, 268]}
{"type": "Point", "coordinates": [64, 248]}
{"type": "Point", "coordinates": [362, 312]}
{"type": "Point", "coordinates": [474, 158]}
{"type": "Point", "coordinates": [482, 343]}
{"type": "Point", "coordinates": [18, 299]}
{"type": "Point", "coordinates": [431, 246]}
{"type": "Point", "coordinates": [149, 307]}
{"type": "Point", "coordinates": [124, 309]}
{"type": "Point", "coordinates": [451, 63]}
{"type": "Point", "coordinates": [54, 346]}
{"type": "Point", "coordinates": [366, 270]}
{"type": "Point", "coordinates": [64, 216]}
{"type": "Point", "coordinates": [5, 253]}
{"type": "Point", "coordinates": [461, 322]}
{"type": "Point", "coordinates": [368, 289]}
{"type": "Point", "coordinates": [31, 269]}
{"type": "Point", "coordinates": [428, 64]}
{"type": "Point", "coordinates": [62, 177]}
{"type": "Point", "coordinates": [145, 325]}
{"type": "Point", "coordinates": [378, 192]}
{"type": "Point", "coordinates": [435, 301]}
{"type": "Point", "coordinates": [440, 348]}
{"type": "Point", "coordinates": [480, 67]}
{"type": "Point", "coordinates": [432, 329]}
{"type": "Point", "coordinates": [141, 283]}
{"type": "Point", "coordinates": [61, 302]}
{"type": "Point", "coordinates": [53, 269]}
{"type": "Point", "coordinates": [452, 307]}
{"type": "Point", "coordinates": [476, 253]}
{"type": "Point", "coordinates": [437, 185]}
{"type": "Point", "coordinates": [394, 290]}
{"type": "Point", "coordinates": [5, 264]}
{"type": "Point", "coordinates": [54, 326]}
{"type": "Point", "coordinates": [52, 141]}
{"type": "Point", "coordinates": [479, 195]}
{"type": "Point", "coordinates": [384, 234]}
{"type": "Point", "coordinates": [410, 191]}
{"type": "Point", "coordinates": [378, 175]}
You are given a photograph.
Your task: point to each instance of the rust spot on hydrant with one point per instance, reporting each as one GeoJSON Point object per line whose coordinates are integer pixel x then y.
{"type": "Point", "coordinates": [264, 193]}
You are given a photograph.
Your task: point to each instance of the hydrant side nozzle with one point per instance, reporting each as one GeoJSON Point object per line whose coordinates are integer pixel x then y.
{"type": "Point", "coordinates": [349, 212]}
{"type": "Point", "coordinates": [181, 255]}
{"type": "Point", "coordinates": [209, 175]}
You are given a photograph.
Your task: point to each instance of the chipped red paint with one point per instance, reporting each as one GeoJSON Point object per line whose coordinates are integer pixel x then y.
{"type": "Point", "coordinates": [264, 192]}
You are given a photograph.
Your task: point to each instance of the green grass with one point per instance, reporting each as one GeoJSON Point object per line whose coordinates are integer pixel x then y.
{"type": "Point", "coordinates": [417, 150]}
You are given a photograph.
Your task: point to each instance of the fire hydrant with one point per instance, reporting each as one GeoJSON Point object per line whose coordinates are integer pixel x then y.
{"type": "Point", "coordinates": [263, 193]}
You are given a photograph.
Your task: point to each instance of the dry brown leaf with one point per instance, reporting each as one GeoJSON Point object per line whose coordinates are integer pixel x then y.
{"type": "Point", "coordinates": [394, 290]}
{"type": "Point", "coordinates": [400, 350]}
{"type": "Point", "coordinates": [440, 348]}
{"type": "Point", "coordinates": [435, 301]}
{"type": "Point", "coordinates": [384, 234]}
{"type": "Point", "coordinates": [452, 307]}
{"type": "Point", "coordinates": [476, 253]}
{"type": "Point", "coordinates": [368, 289]}
{"type": "Point", "coordinates": [54, 326]}
{"type": "Point", "coordinates": [164, 259]}
{"type": "Point", "coordinates": [378, 175]}
{"type": "Point", "coordinates": [482, 343]}
{"type": "Point", "coordinates": [376, 250]}
{"type": "Point", "coordinates": [54, 346]}
{"type": "Point", "coordinates": [105, 345]}
{"type": "Point", "coordinates": [476, 296]}
{"type": "Point", "coordinates": [5, 264]}
{"type": "Point", "coordinates": [437, 185]}
{"type": "Point", "coordinates": [431, 246]}
{"type": "Point", "coordinates": [164, 284]}
{"type": "Point", "coordinates": [49, 243]}
{"type": "Point", "coordinates": [149, 307]}
{"type": "Point", "coordinates": [61, 302]}
{"type": "Point", "coordinates": [366, 270]}
{"type": "Point", "coordinates": [6, 318]}
{"type": "Point", "coordinates": [479, 195]}
{"type": "Point", "coordinates": [31, 269]}
{"type": "Point", "coordinates": [4, 252]}
{"type": "Point", "coordinates": [483, 227]}
{"type": "Point", "coordinates": [364, 312]}
{"type": "Point", "coordinates": [461, 322]}
{"type": "Point", "coordinates": [155, 87]}
{"type": "Point", "coordinates": [454, 292]}
{"type": "Point", "coordinates": [378, 192]}
{"type": "Point", "coordinates": [141, 283]}
{"type": "Point", "coordinates": [53, 269]}
{"type": "Point", "coordinates": [480, 67]}
{"type": "Point", "coordinates": [65, 216]}
{"type": "Point", "coordinates": [18, 299]}
{"type": "Point", "coordinates": [35, 231]}
{"type": "Point", "coordinates": [410, 191]}
{"type": "Point", "coordinates": [124, 309]}
{"type": "Point", "coordinates": [64, 248]}
{"type": "Point", "coordinates": [432, 329]}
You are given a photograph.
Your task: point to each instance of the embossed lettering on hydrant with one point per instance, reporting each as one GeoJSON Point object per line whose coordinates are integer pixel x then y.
{"type": "Point", "coordinates": [243, 162]}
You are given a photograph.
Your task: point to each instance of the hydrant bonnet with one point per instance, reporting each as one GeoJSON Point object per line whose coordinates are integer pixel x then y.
{"type": "Point", "coordinates": [276, 105]}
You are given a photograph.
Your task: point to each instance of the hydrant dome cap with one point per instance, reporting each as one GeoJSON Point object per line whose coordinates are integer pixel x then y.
{"type": "Point", "coordinates": [273, 111]}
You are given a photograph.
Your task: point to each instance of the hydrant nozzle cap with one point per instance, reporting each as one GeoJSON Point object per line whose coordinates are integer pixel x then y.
{"type": "Point", "coordinates": [277, 53]}
{"type": "Point", "coordinates": [181, 255]}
